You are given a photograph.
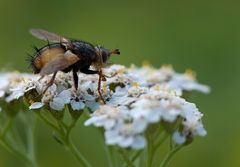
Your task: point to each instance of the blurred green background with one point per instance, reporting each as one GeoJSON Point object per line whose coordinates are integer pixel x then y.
{"type": "Point", "coordinates": [202, 35]}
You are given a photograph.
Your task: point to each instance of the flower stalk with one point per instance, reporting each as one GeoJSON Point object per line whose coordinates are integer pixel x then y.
{"type": "Point", "coordinates": [27, 153]}
{"type": "Point", "coordinates": [165, 162]}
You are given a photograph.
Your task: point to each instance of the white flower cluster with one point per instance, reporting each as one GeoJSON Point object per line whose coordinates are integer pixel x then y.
{"type": "Point", "coordinates": [135, 99]}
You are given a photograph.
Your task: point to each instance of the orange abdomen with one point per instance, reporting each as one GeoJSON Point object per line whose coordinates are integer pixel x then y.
{"type": "Point", "coordinates": [46, 54]}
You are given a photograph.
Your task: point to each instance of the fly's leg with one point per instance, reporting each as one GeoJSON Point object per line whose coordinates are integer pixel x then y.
{"type": "Point", "coordinates": [111, 76]}
{"type": "Point", "coordinates": [49, 84]}
{"type": "Point", "coordinates": [75, 80]}
{"type": "Point", "coordinates": [41, 77]}
{"type": "Point", "coordinates": [101, 78]}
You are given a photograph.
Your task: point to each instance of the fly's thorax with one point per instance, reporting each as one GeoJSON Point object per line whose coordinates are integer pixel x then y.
{"type": "Point", "coordinates": [83, 49]}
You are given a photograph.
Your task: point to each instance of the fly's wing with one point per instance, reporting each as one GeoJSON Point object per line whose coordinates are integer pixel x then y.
{"type": "Point", "coordinates": [48, 36]}
{"type": "Point", "coordinates": [60, 63]}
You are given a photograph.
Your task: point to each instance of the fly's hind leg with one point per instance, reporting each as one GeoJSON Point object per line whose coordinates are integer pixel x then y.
{"type": "Point", "coordinates": [49, 84]}
{"type": "Point", "coordinates": [41, 77]}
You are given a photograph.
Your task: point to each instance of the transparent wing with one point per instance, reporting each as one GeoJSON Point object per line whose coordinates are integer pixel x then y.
{"type": "Point", "coordinates": [48, 36]}
{"type": "Point", "coordinates": [60, 63]}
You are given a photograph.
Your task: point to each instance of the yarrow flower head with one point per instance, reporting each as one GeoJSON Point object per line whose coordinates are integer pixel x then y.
{"type": "Point", "coordinates": [136, 99]}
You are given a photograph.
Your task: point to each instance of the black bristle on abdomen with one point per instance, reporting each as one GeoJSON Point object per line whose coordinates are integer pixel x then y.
{"type": "Point", "coordinates": [30, 59]}
{"type": "Point", "coordinates": [35, 48]}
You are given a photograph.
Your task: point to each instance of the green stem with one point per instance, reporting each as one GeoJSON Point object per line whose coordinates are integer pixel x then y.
{"type": "Point", "coordinates": [48, 122]}
{"type": "Point", "coordinates": [108, 150]}
{"type": "Point", "coordinates": [9, 147]}
{"type": "Point", "coordinates": [64, 132]}
{"type": "Point", "coordinates": [18, 154]}
{"type": "Point", "coordinates": [71, 147]}
{"type": "Point", "coordinates": [126, 158]}
{"type": "Point", "coordinates": [70, 127]}
{"type": "Point", "coordinates": [160, 141]}
{"type": "Point", "coordinates": [81, 159]}
{"type": "Point", "coordinates": [150, 150]}
{"type": "Point", "coordinates": [134, 157]}
{"type": "Point", "coordinates": [31, 145]}
{"type": "Point", "coordinates": [6, 127]}
{"type": "Point", "coordinates": [110, 157]}
{"type": "Point", "coordinates": [169, 156]}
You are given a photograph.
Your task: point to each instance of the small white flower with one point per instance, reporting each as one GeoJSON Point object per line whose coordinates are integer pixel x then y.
{"type": "Point", "coordinates": [170, 110]}
{"type": "Point", "coordinates": [60, 100]}
{"type": "Point", "coordinates": [114, 69]}
{"type": "Point", "coordinates": [120, 100]}
{"type": "Point", "coordinates": [19, 90]}
{"type": "Point", "coordinates": [124, 135]}
{"type": "Point", "coordinates": [16, 94]}
{"type": "Point", "coordinates": [147, 109]}
{"type": "Point", "coordinates": [106, 117]}
{"type": "Point", "coordinates": [136, 90]}
{"type": "Point", "coordinates": [187, 83]}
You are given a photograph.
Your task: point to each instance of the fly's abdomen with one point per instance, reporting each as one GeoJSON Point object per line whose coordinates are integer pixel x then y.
{"type": "Point", "coordinates": [46, 54]}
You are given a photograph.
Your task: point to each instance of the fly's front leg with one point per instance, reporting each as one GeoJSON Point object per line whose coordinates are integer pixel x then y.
{"type": "Point", "coordinates": [100, 79]}
{"type": "Point", "coordinates": [111, 76]}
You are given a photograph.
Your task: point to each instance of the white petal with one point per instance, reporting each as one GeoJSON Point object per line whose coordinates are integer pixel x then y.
{"type": "Point", "coordinates": [126, 142]}
{"type": "Point", "coordinates": [36, 105]}
{"type": "Point", "coordinates": [1, 93]}
{"type": "Point", "coordinates": [98, 121]}
{"type": "Point", "coordinates": [77, 105]}
{"type": "Point", "coordinates": [153, 115]}
{"type": "Point", "coordinates": [57, 104]}
{"type": "Point", "coordinates": [52, 88]}
{"type": "Point", "coordinates": [178, 138]}
{"type": "Point", "coordinates": [88, 97]}
{"type": "Point", "coordinates": [170, 115]}
{"type": "Point", "coordinates": [139, 125]}
{"type": "Point", "coordinates": [90, 121]}
{"type": "Point", "coordinates": [66, 96]}
{"type": "Point", "coordinates": [14, 96]}
{"type": "Point", "coordinates": [30, 88]}
{"type": "Point", "coordinates": [112, 137]}
{"type": "Point", "coordinates": [201, 131]}
{"type": "Point", "coordinates": [92, 105]}
{"type": "Point", "coordinates": [139, 142]}
{"type": "Point", "coordinates": [109, 123]}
